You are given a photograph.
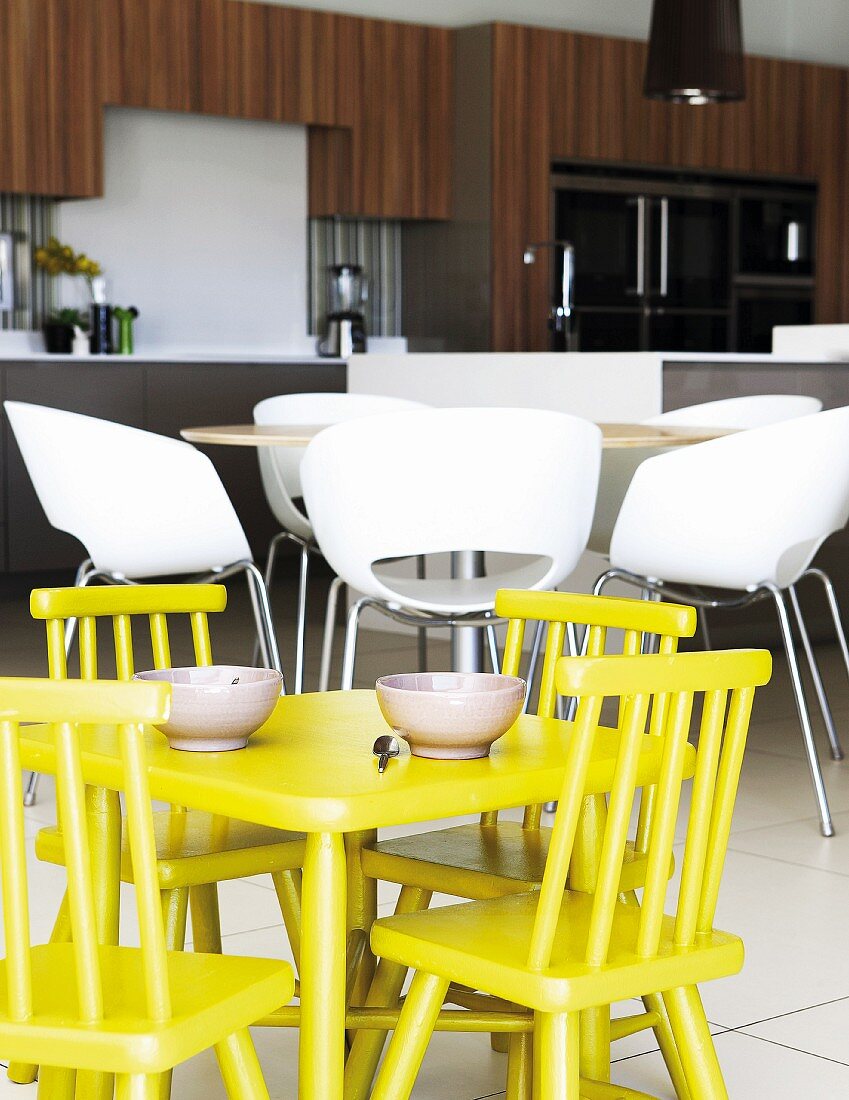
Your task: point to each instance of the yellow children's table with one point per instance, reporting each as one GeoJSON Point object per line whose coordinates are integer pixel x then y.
{"type": "Point", "coordinates": [310, 769]}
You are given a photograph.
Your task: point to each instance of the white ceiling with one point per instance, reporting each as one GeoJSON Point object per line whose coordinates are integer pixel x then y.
{"type": "Point", "coordinates": [810, 30]}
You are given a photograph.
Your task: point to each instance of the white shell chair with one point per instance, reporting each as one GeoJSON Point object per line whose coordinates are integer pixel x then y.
{"type": "Point", "coordinates": [747, 512]}
{"type": "Point", "coordinates": [141, 504]}
{"type": "Point", "coordinates": [619, 464]}
{"type": "Point", "coordinates": [510, 481]}
{"type": "Point", "coordinates": [280, 468]}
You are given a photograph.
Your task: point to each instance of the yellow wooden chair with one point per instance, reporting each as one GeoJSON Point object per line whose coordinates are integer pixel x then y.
{"type": "Point", "coordinates": [195, 850]}
{"type": "Point", "coordinates": [81, 1006]}
{"type": "Point", "coordinates": [560, 951]}
{"type": "Point", "coordinates": [497, 857]}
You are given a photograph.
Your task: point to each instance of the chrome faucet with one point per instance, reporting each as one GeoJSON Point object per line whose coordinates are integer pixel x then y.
{"type": "Point", "coordinates": [560, 314]}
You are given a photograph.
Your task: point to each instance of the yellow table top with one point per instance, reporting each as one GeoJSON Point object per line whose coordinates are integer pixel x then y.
{"type": "Point", "coordinates": [299, 435]}
{"type": "Point", "coordinates": [310, 768]}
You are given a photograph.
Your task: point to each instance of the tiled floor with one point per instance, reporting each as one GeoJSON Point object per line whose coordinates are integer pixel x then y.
{"type": "Point", "coordinates": [782, 1026]}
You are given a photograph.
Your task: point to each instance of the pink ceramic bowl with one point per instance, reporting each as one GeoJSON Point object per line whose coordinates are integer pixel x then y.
{"type": "Point", "coordinates": [211, 713]}
{"type": "Point", "coordinates": [450, 715]}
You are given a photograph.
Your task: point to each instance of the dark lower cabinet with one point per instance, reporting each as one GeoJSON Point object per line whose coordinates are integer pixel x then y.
{"type": "Point", "coordinates": [159, 397]}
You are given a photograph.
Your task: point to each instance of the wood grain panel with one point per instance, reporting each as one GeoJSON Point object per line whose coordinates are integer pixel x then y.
{"type": "Point", "coordinates": [564, 96]}
{"type": "Point", "coordinates": [49, 112]}
{"type": "Point", "coordinates": [149, 51]}
{"type": "Point", "coordinates": [399, 154]}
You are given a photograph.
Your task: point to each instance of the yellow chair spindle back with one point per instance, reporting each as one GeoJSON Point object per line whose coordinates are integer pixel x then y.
{"type": "Point", "coordinates": [88, 647]}
{"type": "Point", "coordinates": [57, 665]}
{"type": "Point", "coordinates": [563, 833]}
{"type": "Point", "coordinates": [13, 861]}
{"type": "Point", "coordinates": [512, 659]}
{"type": "Point", "coordinates": [619, 808]}
{"type": "Point", "coordinates": [200, 637]}
{"type": "Point", "coordinates": [145, 878]}
{"type": "Point", "coordinates": [553, 651]}
{"type": "Point", "coordinates": [667, 794]}
{"type": "Point", "coordinates": [122, 629]}
{"type": "Point", "coordinates": [668, 682]}
{"type": "Point", "coordinates": [598, 614]}
{"type": "Point", "coordinates": [70, 797]}
{"type": "Point", "coordinates": [66, 706]}
{"type": "Point", "coordinates": [159, 640]}
{"type": "Point", "coordinates": [722, 805]}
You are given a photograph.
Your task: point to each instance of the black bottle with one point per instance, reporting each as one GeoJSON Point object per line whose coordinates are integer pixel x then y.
{"type": "Point", "coordinates": [100, 342]}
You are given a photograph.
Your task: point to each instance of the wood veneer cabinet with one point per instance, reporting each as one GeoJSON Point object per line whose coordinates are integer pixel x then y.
{"type": "Point", "coordinates": [562, 96]}
{"type": "Point", "coordinates": [160, 397]}
{"type": "Point", "coordinates": [542, 96]}
{"type": "Point", "coordinates": [50, 118]}
{"type": "Point", "coordinates": [375, 94]}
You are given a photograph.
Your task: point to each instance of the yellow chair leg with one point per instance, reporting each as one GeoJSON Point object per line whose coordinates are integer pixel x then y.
{"type": "Point", "coordinates": [385, 990]}
{"type": "Point", "coordinates": [288, 887]}
{"type": "Point", "coordinates": [22, 1073]}
{"type": "Point", "coordinates": [240, 1068]}
{"type": "Point", "coordinates": [206, 926]}
{"type": "Point", "coordinates": [595, 1043]}
{"type": "Point", "coordinates": [56, 1083]}
{"type": "Point", "coordinates": [694, 1043]}
{"type": "Point", "coordinates": [95, 1086]}
{"type": "Point", "coordinates": [557, 1050]}
{"type": "Point", "coordinates": [653, 1002]}
{"type": "Point", "coordinates": [500, 1042]}
{"type": "Point", "coordinates": [136, 1086]}
{"type": "Point", "coordinates": [175, 906]}
{"type": "Point", "coordinates": [412, 1034]}
{"type": "Point", "coordinates": [520, 1066]}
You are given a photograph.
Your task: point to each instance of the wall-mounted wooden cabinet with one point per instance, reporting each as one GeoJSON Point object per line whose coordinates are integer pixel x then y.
{"type": "Point", "coordinates": [50, 117]}
{"type": "Point", "coordinates": [375, 94]}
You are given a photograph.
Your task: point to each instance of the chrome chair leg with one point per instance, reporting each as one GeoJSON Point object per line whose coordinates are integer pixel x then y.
{"type": "Point", "coordinates": [300, 638]}
{"type": "Point", "coordinates": [421, 574]}
{"type": "Point", "coordinates": [350, 655]}
{"type": "Point", "coordinates": [704, 628]}
{"type": "Point", "coordinates": [532, 664]}
{"type": "Point", "coordinates": [329, 631]}
{"type": "Point", "coordinates": [834, 608]}
{"type": "Point", "coordinates": [262, 614]}
{"type": "Point", "coordinates": [819, 687]}
{"type": "Point", "coordinates": [493, 648]}
{"type": "Point", "coordinates": [826, 826]}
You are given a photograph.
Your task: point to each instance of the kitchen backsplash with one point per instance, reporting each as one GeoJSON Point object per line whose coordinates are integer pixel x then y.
{"type": "Point", "coordinates": [31, 220]}
{"type": "Point", "coordinates": [376, 247]}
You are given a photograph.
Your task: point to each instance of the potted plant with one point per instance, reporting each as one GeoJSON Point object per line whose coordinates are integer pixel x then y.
{"type": "Point", "coordinates": [59, 330]}
{"type": "Point", "coordinates": [56, 258]}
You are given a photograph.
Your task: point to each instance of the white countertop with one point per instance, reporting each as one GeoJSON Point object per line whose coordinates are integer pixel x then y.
{"type": "Point", "coordinates": [177, 357]}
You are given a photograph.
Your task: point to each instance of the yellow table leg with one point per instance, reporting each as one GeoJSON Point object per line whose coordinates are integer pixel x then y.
{"type": "Point", "coordinates": [323, 937]}
{"type": "Point", "coordinates": [362, 907]}
{"type": "Point", "coordinates": [104, 837]}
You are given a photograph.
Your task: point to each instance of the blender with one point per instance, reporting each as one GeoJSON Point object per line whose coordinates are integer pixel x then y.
{"type": "Point", "coordinates": [346, 323]}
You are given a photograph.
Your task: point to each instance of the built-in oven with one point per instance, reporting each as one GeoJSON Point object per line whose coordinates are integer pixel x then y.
{"type": "Point", "coordinates": [669, 261]}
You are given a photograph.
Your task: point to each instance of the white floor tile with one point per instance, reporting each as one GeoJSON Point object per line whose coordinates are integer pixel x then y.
{"type": "Point", "coordinates": [823, 1030]}
{"type": "Point", "coordinates": [751, 1068]}
{"type": "Point", "coordinates": [792, 920]}
{"type": "Point", "coordinates": [800, 842]}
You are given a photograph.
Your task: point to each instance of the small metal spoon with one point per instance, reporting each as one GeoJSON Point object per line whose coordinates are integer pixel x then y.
{"type": "Point", "coordinates": [384, 747]}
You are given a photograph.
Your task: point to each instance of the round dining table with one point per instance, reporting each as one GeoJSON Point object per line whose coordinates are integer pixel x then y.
{"type": "Point", "coordinates": [614, 436]}
{"type": "Point", "coordinates": [467, 642]}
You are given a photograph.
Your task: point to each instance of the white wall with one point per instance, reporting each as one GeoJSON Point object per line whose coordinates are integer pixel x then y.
{"type": "Point", "coordinates": [811, 30]}
{"type": "Point", "coordinates": [202, 227]}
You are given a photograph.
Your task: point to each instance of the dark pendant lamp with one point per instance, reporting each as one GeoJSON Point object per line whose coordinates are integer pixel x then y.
{"type": "Point", "coordinates": [695, 52]}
